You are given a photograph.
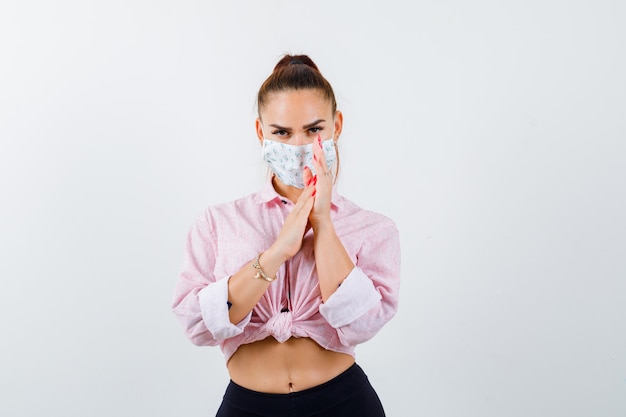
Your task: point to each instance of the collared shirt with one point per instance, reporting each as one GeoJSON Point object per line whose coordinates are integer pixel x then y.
{"type": "Point", "coordinates": [227, 236]}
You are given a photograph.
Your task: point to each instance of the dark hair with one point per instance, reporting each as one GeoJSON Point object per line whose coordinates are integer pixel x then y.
{"type": "Point", "coordinates": [295, 72]}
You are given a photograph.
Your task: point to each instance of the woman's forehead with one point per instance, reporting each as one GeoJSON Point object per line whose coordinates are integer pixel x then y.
{"type": "Point", "coordinates": [297, 105]}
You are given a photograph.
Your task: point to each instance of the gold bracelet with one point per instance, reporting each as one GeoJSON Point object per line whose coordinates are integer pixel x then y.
{"type": "Point", "coordinates": [259, 272]}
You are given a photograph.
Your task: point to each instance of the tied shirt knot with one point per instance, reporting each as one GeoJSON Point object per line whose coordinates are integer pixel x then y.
{"type": "Point", "coordinates": [279, 325]}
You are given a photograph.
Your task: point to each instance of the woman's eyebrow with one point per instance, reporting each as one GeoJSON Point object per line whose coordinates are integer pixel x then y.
{"type": "Point", "coordinates": [280, 127]}
{"type": "Point", "coordinates": [310, 125]}
{"type": "Point", "coordinates": [305, 127]}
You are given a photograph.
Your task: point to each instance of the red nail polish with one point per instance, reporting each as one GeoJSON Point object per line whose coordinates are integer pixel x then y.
{"type": "Point", "coordinates": [314, 157]}
{"type": "Point", "coordinates": [319, 140]}
{"type": "Point", "coordinates": [315, 180]}
{"type": "Point", "coordinates": [314, 191]}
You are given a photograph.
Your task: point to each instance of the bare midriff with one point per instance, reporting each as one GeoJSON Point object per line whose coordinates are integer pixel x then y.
{"type": "Point", "coordinates": [280, 368]}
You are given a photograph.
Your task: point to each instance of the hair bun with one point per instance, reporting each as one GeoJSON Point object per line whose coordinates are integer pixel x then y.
{"type": "Point", "coordinates": [295, 72]}
{"type": "Point", "coordinates": [295, 60]}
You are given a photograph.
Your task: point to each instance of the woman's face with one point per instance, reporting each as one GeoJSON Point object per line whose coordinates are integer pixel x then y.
{"type": "Point", "coordinates": [297, 117]}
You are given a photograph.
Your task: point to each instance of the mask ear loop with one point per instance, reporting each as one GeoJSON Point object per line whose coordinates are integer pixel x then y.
{"type": "Point", "coordinates": [269, 174]}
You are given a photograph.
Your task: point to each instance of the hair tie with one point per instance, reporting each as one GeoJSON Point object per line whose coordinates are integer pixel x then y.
{"type": "Point", "coordinates": [296, 61]}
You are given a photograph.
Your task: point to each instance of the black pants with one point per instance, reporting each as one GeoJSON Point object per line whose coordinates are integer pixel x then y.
{"type": "Point", "coordinates": [348, 395]}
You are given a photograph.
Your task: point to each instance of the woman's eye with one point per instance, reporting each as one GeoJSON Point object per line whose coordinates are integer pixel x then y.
{"type": "Point", "coordinates": [280, 132]}
{"type": "Point", "coordinates": [315, 129]}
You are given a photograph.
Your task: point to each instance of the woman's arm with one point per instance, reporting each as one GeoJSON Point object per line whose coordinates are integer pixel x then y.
{"type": "Point", "coordinates": [368, 297]}
{"type": "Point", "coordinates": [332, 261]}
{"type": "Point", "coordinates": [244, 292]}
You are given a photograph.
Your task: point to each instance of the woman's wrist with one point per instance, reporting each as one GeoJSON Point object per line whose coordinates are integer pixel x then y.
{"type": "Point", "coordinates": [274, 256]}
{"type": "Point", "coordinates": [320, 224]}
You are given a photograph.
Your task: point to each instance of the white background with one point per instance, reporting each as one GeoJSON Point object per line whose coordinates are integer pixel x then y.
{"type": "Point", "coordinates": [493, 133]}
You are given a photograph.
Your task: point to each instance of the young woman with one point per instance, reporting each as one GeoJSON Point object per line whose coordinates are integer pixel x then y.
{"type": "Point", "coordinates": [288, 280]}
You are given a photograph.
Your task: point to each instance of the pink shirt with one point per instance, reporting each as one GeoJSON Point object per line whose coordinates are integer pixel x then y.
{"type": "Point", "coordinates": [227, 236]}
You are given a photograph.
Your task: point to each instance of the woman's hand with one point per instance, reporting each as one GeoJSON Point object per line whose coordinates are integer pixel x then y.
{"type": "Point", "coordinates": [323, 187]}
{"type": "Point", "coordinates": [289, 240]}
{"type": "Point", "coordinates": [332, 261]}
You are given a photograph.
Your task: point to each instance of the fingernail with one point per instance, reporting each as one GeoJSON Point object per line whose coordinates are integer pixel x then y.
{"type": "Point", "coordinates": [314, 157]}
{"type": "Point", "coordinates": [309, 181]}
{"type": "Point", "coordinates": [314, 191]}
{"type": "Point", "coordinates": [319, 139]}
{"type": "Point", "coordinates": [315, 180]}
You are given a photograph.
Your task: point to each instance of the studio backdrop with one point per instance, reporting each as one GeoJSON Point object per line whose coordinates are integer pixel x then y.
{"type": "Point", "coordinates": [492, 133]}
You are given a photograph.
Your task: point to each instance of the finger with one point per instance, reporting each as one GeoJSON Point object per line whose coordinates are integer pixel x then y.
{"type": "Point", "coordinates": [305, 204]}
{"type": "Point", "coordinates": [307, 193]}
{"type": "Point", "coordinates": [307, 175]}
{"type": "Point", "coordinates": [319, 161]}
{"type": "Point", "coordinates": [319, 150]}
{"type": "Point", "coordinates": [313, 186]}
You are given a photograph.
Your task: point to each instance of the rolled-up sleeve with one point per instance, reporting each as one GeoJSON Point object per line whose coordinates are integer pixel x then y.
{"type": "Point", "coordinates": [214, 307]}
{"type": "Point", "coordinates": [368, 298]}
{"type": "Point", "coordinates": [353, 298]}
{"type": "Point", "coordinates": [200, 300]}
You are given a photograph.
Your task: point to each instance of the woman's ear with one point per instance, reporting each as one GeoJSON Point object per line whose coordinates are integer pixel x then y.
{"type": "Point", "coordinates": [338, 124]}
{"type": "Point", "coordinates": [259, 130]}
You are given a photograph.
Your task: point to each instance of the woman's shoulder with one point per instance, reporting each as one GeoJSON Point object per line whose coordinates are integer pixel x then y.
{"type": "Point", "coordinates": [219, 210]}
{"type": "Point", "coordinates": [234, 207]}
{"type": "Point", "coordinates": [358, 214]}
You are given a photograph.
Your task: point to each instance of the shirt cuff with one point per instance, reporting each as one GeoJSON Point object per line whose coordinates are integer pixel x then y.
{"type": "Point", "coordinates": [351, 300]}
{"type": "Point", "coordinates": [214, 307]}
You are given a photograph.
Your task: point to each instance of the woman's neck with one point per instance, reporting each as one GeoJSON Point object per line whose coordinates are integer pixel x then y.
{"type": "Point", "coordinates": [292, 193]}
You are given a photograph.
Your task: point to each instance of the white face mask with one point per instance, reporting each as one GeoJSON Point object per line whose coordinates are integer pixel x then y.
{"type": "Point", "coordinates": [288, 161]}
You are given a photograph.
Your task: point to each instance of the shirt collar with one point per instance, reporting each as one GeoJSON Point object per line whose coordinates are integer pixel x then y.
{"type": "Point", "coordinates": [267, 193]}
